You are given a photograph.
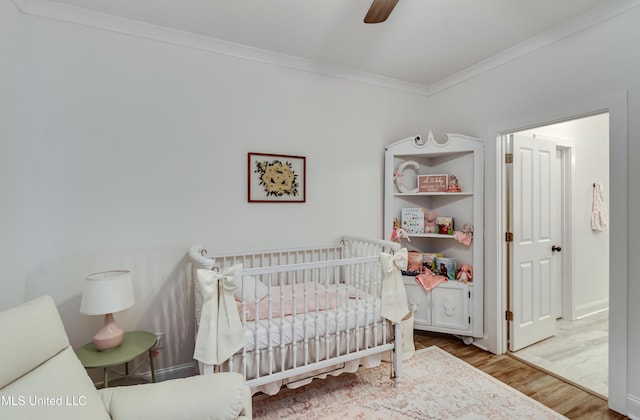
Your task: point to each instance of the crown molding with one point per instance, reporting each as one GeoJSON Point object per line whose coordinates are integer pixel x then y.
{"type": "Point", "coordinates": [580, 23]}
{"type": "Point", "coordinates": [71, 14]}
{"type": "Point", "coordinates": [76, 15]}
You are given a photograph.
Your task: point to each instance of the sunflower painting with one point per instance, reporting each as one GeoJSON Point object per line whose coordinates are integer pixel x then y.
{"type": "Point", "coordinates": [276, 178]}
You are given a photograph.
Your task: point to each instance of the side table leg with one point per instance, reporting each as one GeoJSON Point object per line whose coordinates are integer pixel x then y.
{"type": "Point", "coordinates": [106, 377]}
{"type": "Point", "coordinates": [153, 371]}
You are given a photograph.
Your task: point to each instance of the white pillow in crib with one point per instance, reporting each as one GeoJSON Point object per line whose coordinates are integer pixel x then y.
{"type": "Point", "coordinates": [251, 285]}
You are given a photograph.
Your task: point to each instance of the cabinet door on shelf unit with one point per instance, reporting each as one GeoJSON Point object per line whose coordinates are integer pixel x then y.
{"type": "Point", "coordinates": [451, 306]}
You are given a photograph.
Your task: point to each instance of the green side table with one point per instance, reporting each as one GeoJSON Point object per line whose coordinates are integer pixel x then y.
{"type": "Point", "coordinates": [133, 344]}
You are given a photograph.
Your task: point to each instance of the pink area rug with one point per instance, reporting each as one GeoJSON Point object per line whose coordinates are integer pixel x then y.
{"type": "Point", "coordinates": [435, 385]}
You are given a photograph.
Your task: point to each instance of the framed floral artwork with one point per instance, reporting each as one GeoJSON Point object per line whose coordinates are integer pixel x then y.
{"type": "Point", "coordinates": [277, 178]}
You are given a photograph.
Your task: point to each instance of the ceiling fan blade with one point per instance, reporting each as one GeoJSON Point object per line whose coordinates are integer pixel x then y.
{"type": "Point", "coordinates": [379, 11]}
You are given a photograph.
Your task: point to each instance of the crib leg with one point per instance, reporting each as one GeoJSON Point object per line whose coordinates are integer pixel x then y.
{"type": "Point", "coordinates": [397, 354]}
{"type": "Point", "coordinates": [206, 369]}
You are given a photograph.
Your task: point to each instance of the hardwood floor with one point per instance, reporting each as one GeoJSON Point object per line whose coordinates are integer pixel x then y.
{"type": "Point", "coordinates": [558, 395]}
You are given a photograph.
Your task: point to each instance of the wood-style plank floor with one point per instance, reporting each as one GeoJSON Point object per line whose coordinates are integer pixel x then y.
{"type": "Point", "coordinates": [556, 394]}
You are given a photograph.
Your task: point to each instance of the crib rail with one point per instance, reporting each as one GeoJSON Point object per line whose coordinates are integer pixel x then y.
{"type": "Point", "coordinates": [349, 246]}
{"type": "Point", "coordinates": [356, 246]}
{"type": "Point", "coordinates": [266, 257]}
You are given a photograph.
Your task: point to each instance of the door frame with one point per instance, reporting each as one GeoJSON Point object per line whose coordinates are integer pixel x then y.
{"type": "Point", "coordinates": [496, 250]}
{"type": "Point", "coordinates": [567, 168]}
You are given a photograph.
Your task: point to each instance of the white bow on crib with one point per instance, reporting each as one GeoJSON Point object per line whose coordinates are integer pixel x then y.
{"type": "Point", "coordinates": [394, 297]}
{"type": "Point", "coordinates": [220, 333]}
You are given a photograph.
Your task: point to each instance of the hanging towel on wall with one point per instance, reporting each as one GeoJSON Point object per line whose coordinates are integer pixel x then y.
{"type": "Point", "coordinates": [599, 219]}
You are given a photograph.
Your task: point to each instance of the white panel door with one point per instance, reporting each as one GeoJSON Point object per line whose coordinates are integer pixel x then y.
{"type": "Point", "coordinates": [534, 195]}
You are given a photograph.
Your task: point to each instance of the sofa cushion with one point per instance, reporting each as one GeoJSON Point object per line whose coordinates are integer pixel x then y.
{"type": "Point", "coordinates": [30, 334]}
{"type": "Point", "coordinates": [58, 389]}
{"type": "Point", "coordinates": [218, 396]}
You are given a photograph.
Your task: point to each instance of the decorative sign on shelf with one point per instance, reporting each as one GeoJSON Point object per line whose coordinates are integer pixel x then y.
{"type": "Point", "coordinates": [432, 183]}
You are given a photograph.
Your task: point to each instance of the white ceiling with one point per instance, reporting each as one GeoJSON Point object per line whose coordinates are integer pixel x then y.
{"type": "Point", "coordinates": [423, 41]}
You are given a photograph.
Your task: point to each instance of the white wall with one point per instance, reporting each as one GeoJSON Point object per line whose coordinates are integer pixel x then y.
{"type": "Point", "coordinates": [11, 241]}
{"type": "Point", "coordinates": [590, 249]}
{"type": "Point", "coordinates": [135, 149]}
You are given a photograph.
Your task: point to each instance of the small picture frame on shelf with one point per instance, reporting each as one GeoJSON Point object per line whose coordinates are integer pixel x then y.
{"type": "Point", "coordinates": [433, 183]}
{"type": "Point", "coordinates": [444, 225]}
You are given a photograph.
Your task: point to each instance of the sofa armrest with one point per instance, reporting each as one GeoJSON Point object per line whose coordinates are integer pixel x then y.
{"type": "Point", "coordinates": [217, 396]}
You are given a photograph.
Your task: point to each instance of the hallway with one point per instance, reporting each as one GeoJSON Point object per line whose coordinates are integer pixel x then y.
{"type": "Point", "coordinates": [578, 352]}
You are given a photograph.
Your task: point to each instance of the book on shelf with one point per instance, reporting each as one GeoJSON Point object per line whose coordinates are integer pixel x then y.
{"type": "Point", "coordinates": [444, 225]}
{"type": "Point", "coordinates": [446, 267]}
{"type": "Point", "coordinates": [421, 262]}
{"type": "Point", "coordinates": [413, 220]}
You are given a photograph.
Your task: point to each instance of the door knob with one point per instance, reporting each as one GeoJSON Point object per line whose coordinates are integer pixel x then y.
{"type": "Point", "coordinates": [556, 248]}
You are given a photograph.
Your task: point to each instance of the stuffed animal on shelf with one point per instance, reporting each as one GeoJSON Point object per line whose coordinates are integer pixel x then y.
{"type": "Point", "coordinates": [398, 233]}
{"type": "Point", "coordinates": [465, 235]}
{"type": "Point", "coordinates": [454, 185]}
{"type": "Point", "coordinates": [465, 273]}
{"type": "Point", "coordinates": [430, 221]}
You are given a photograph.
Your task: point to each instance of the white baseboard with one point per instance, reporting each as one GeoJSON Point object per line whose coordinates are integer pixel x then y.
{"type": "Point", "coordinates": [633, 407]}
{"type": "Point", "coordinates": [592, 308]}
{"type": "Point", "coordinates": [174, 372]}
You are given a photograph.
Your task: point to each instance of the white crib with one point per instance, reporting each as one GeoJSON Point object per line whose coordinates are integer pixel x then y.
{"type": "Point", "coordinates": [316, 311]}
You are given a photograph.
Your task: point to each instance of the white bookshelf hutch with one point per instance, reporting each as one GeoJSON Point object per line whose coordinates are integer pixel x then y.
{"type": "Point", "coordinates": [451, 307]}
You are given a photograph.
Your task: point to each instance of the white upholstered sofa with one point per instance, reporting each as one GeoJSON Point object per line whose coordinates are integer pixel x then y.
{"type": "Point", "coordinates": [41, 378]}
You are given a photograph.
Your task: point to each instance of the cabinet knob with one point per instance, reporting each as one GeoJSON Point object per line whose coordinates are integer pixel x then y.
{"type": "Point", "coordinates": [556, 248]}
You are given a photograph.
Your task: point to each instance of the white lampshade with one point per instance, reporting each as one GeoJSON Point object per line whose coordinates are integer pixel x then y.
{"type": "Point", "coordinates": [107, 292]}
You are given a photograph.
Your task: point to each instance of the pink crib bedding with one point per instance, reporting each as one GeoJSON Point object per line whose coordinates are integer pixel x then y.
{"type": "Point", "coordinates": [284, 304]}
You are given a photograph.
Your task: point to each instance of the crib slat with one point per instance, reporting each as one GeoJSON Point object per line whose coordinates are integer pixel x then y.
{"type": "Point", "coordinates": [294, 318]}
{"type": "Point", "coordinates": [345, 292]}
{"type": "Point", "coordinates": [365, 325]}
{"type": "Point", "coordinates": [358, 329]}
{"type": "Point", "coordinates": [269, 323]}
{"type": "Point", "coordinates": [282, 325]}
{"type": "Point", "coordinates": [305, 317]}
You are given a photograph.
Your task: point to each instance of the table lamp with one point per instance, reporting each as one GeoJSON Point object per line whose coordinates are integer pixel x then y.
{"type": "Point", "coordinates": [105, 293]}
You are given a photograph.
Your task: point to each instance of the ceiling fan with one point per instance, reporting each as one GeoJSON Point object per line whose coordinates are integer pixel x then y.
{"type": "Point", "coordinates": [379, 11]}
